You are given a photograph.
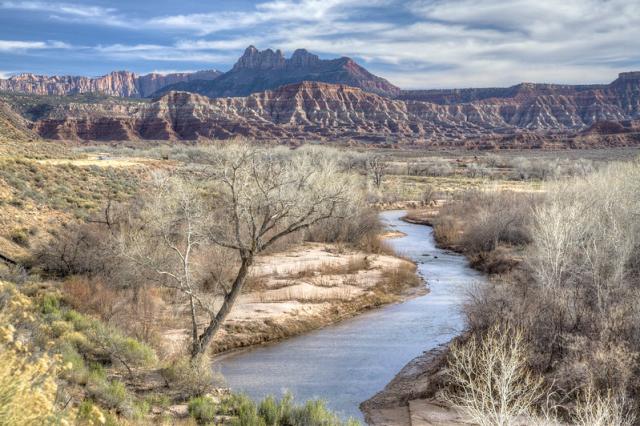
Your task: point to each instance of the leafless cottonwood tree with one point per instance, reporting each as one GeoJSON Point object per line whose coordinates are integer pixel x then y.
{"type": "Point", "coordinates": [249, 199]}
{"type": "Point", "coordinates": [378, 169]}
{"type": "Point", "coordinates": [265, 196]}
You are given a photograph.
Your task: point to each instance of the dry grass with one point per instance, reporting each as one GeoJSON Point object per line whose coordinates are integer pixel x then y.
{"type": "Point", "coordinates": [396, 280]}
{"type": "Point", "coordinates": [307, 294]}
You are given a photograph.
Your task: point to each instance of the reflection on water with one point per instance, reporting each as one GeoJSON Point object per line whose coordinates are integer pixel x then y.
{"type": "Point", "coordinates": [347, 363]}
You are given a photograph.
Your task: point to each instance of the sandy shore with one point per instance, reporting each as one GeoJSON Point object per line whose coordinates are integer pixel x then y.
{"type": "Point", "coordinates": [307, 288]}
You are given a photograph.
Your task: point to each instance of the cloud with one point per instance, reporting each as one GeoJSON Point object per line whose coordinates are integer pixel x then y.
{"type": "Point", "coordinates": [414, 43]}
{"type": "Point", "coordinates": [161, 53]}
{"type": "Point", "coordinates": [74, 12]}
{"type": "Point", "coordinates": [23, 46]}
{"type": "Point", "coordinates": [61, 8]}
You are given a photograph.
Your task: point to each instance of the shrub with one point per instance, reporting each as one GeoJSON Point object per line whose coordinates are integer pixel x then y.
{"type": "Point", "coordinates": [189, 378]}
{"type": "Point", "coordinates": [272, 412]}
{"type": "Point", "coordinates": [91, 296]}
{"type": "Point", "coordinates": [491, 382]}
{"type": "Point", "coordinates": [59, 328]}
{"type": "Point", "coordinates": [50, 304]}
{"type": "Point", "coordinates": [27, 379]}
{"type": "Point", "coordinates": [594, 409]}
{"type": "Point", "coordinates": [395, 280]}
{"type": "Point", "coordinates": [574, 296]}
{"type": "Point", "coordinates": [111, 394]}
{"type": "Point", "coordinates": [90, 414]}
{"type": "Point", "coordinates": [78, 372]}
{"type": "Point", "coordinates": [203, 409]}
{"type": "Point", "coordinates": [96, 340]}
{"type": "Point", "coordinates": [269, 410]}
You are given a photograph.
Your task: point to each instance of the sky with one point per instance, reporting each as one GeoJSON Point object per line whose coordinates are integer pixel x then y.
{"type": "Point", "coordinates": [413, 43]}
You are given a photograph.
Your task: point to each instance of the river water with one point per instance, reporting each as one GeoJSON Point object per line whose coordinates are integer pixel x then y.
{"type": "Point", "coordinates": [347, 363]}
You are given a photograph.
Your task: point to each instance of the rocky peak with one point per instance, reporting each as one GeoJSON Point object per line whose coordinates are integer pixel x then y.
{"type": "Point", "coordinates": [303, 58]}
{"type": "Point", "coordinates": [629, 76]}
{"type": "Point", "coordinates": [255, 59]}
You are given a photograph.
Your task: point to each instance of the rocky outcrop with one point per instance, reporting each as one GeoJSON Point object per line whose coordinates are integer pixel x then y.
{"type": "Point", "coordinates": [117, 83]}
{"type": "Point", "coordinates": [257, 71]}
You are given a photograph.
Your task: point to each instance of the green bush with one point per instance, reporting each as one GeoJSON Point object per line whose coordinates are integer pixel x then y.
{"type": "Point", "coordinates": [96, 340]}
{"type": "Point", "coordinates": [78, 373]}
{"type": "Point", "coordinates": [247, 413]}
{"type": "Point", "coordinates": [203, 409]}
{"type": "Point", "coordinates": [112, 394]}
{"type": "Point", "coordinates": [130, 350]}
{"type": "Point", "coordinates": [269, 410]}
{"type": "Point", "coordinates": [314, 413]}
{"type": "Point", "coordinates": [50, 304]}
{"type": "Point", "coordinates": [79, 321]}
{"type": "Point", "coordinates": [141, 409]}
{"type": "Point", "coordinates": [60, 328]}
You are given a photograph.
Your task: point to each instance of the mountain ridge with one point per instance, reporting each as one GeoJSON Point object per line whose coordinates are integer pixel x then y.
{"type": "Point", "coordinates": [257, 71]}
{"type": "Point", "coordinates": [116, 83]}
{"type": "Point", "coordinates": [323, 111]}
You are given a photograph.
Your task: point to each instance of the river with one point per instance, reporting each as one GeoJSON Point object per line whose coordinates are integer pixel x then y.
{"type": "Point", "coordinates": [347, 363]}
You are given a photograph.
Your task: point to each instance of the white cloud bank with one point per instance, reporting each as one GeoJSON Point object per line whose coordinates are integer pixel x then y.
{"type": "Point", "coordinates": [415, 43]}
{"type": "Point", "coordinates": [24, 46]}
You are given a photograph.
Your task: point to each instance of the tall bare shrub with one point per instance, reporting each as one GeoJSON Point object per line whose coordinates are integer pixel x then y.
{"type": "Point", "coordinates": [492, 384]}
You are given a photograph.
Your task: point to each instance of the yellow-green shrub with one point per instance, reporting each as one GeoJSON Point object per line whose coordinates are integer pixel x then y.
{"type": "Point", "coordinates": [27, 381]}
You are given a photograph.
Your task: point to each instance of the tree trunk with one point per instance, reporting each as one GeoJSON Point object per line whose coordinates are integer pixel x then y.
{"type": "Point", "coordinates": [200, 346]}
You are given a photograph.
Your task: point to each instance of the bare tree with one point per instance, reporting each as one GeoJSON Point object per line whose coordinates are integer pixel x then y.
{"type": "Point", "coordinates": [167, 240]}
{"type": "Point", "coordinates": [265, 197]}
{"type": "Point", "coordinates": [248, 199]}
{"type": "Point", "coordinates": [492, 384]}
{"type": "Point", "coordinates": [378, 169]}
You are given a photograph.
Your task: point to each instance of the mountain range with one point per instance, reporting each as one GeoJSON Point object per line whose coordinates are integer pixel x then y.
{"type": "Point", "coordinates": [267, 96]}
{"type": "Point", "coordinates": [117, 83]}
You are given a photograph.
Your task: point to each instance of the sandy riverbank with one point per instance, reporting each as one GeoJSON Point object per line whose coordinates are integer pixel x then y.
{"type": "Point", "coordinates": [309, 287]}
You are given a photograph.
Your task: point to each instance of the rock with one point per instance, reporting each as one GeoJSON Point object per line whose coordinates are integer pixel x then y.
{"type": "Point", "coordinates": [179, 410]}
{"type": "Point", "coordinates": [253, 59]}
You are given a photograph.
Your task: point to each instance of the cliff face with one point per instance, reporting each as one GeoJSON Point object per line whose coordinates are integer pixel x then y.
{"type": "Point", "coordinates": [118, 83]}
{"type": "Point", "coordinates": [532, 116]}
{"type": "Point", "coordinates": [257, 71]}
{"type": "Point", "coordinates": [312, 110]}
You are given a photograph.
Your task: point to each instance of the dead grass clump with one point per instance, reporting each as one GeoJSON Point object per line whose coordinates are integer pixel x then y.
{"type": "Point", "coordinates": [354, 265]}
{"type": "Point", "coordinates": [396, 280]}
{"type": "Point", "coordinates": [307, 294]}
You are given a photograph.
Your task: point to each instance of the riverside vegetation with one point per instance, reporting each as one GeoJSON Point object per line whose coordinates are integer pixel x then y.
{"type": "Point", "coordinates": [112, 240]}
{"type": "Point", "coordinates": [554, 337]}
